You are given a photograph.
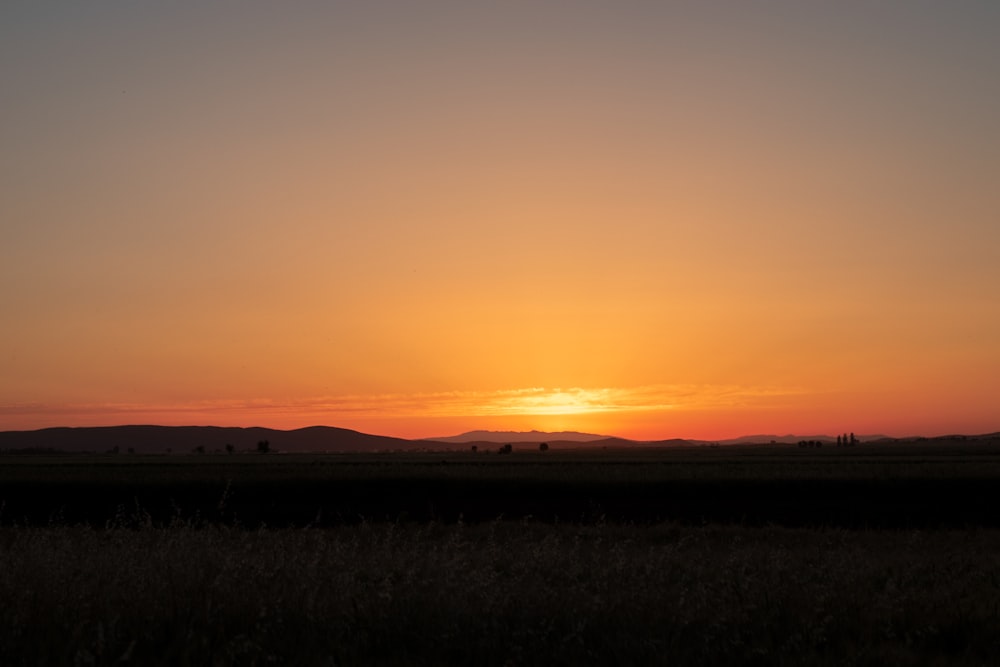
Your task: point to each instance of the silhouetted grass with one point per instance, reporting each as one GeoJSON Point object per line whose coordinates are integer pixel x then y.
{"type": "Point", "coordinates": [497, 593]}
{"type": "Point", "coordinates": [707, 558]}
{"type": "Point", "coordinates": [852, 487]}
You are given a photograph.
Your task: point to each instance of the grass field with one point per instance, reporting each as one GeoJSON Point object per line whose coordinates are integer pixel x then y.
{"type": "Point", "coordinates": [889, 487]}
{"type": "Point", "coordinates": [748, 556]}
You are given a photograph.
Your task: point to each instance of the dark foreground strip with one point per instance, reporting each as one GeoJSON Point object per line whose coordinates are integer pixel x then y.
{"type": "Point", "coordinates": [899, 503]}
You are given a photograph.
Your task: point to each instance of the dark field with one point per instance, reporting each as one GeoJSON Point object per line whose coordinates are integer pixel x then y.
{"type": "Point", "coordinates": [890, 487]}
{"type": "Point", "coordinates": [747, 555]}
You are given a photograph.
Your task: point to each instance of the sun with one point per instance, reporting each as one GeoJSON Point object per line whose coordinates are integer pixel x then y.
{"type": "Point", "coordinates": [560, 402]}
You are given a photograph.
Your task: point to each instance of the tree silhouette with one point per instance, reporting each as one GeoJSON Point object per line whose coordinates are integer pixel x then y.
{"type": "Point", "coordinates": [263, 446]}
{"type": "Point", "coordinates": [229, 448]}
{"type": "Point", "coordinates": [544, 447]}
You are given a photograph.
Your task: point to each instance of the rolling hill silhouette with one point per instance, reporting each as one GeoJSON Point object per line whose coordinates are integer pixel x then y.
{"type": "Point", "coordinates": [181, 439]}
{"type": "Point", "coordinates": [502, 437]}
{"type": "Point", "coordinates": [155, 439]}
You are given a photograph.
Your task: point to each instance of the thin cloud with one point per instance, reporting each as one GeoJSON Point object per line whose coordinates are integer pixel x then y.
{"type": "Point", "coordinates": [504, 402]}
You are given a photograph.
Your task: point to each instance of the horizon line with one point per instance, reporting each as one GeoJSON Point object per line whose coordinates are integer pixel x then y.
{"type": "Point", "coordinates": [595, 436]}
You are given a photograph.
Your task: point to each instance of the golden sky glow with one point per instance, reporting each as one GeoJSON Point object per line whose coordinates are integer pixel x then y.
{"type": "Point", "coordinates": [643, 219]}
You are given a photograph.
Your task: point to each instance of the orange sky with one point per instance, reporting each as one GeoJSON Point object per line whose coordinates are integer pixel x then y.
{"type": "Point", "coordinates": [417, 219]}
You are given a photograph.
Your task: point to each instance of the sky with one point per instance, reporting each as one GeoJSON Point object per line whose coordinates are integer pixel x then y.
{"type": "Point", "coordinates": [645, 219]}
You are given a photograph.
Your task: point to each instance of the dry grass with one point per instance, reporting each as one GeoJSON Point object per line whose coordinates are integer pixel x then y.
{"type": "Point", "coordinates": [497, 593]}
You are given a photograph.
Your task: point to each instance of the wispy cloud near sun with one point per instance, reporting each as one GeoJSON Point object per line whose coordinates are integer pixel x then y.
{"type": "Point", "coordinates": [336, 410]}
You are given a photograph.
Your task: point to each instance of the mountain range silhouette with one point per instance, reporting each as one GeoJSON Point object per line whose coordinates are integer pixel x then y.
{"type": "Point", "coordinates": [181, 439]}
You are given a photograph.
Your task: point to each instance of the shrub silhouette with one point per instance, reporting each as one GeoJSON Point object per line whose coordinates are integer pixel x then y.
{"type": "Point", "coordinates": [544, 447]}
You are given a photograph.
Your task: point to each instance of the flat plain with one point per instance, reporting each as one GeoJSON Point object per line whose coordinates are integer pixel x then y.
{"type": "Point", "coordinates": [729, 555]}
{"type": "Point", "coordinates": [937, 485]}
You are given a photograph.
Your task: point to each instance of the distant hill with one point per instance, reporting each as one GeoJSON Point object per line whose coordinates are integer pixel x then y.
{"type": "Point", "coordinates": [673, 442]}
{"type": "Point", "coordinates": [503, 437]}
{"type": "Point", "coordinates": [183, 439]}
{"type": "Point", "coordinates": [791, 439]}
{"type": "Point", "coordinates": [156, 439]}
{"type": "Point", "coordinates": [558, 439]}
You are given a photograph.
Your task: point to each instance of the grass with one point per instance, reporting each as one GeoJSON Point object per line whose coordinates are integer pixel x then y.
{"type": "Point", "coordinates": [876, 487]}
{"type": "Point", "coordinates": [497, 593]}
{"type": "Point", "coordinates": [757, 556]}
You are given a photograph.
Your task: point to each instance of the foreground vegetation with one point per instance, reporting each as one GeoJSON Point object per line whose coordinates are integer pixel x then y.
{"type": "Point", "coordinates": [858, 487]}
{"type": "Point", "coordinates": [498, 593]}
{"type": "Point", "coordinates": [756, 556]}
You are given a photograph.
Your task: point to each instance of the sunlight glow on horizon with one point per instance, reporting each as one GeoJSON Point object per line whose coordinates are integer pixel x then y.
{"type": "Point", "coordinates": [642, 413]}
